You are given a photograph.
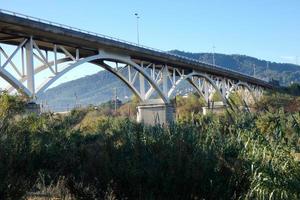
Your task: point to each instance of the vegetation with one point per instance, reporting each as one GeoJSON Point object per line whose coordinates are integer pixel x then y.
{"type": "Point", "coordinates": [88, 155]}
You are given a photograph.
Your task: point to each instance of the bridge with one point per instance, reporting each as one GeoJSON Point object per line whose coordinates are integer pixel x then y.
{"type": "Point", "coordinates": [41, 47]}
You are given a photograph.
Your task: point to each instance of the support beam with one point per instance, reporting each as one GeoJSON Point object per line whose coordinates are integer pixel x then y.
{"type": "Point", "coordinates": [30, 67]}
{"type": "Point", "coordinates": [142, 84]}
{"type": "Point", "coordinates": [55, 58]}
{"type": "Point", "coordinates": [165, 80]}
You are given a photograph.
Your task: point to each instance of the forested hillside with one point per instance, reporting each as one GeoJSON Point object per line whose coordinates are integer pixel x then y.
{"type": "Point", "coordinates": [284, 72]}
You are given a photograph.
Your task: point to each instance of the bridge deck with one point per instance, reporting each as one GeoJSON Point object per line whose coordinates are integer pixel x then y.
{"type": "Point", "coordinates": [13, 27]}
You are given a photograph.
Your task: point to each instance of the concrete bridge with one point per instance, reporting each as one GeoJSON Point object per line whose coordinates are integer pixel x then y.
{"type": "Point", "coordinates": [153, 76]}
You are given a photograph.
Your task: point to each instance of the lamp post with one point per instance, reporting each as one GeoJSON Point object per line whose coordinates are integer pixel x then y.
{"type": "Point", "coordinates": [137, 28]}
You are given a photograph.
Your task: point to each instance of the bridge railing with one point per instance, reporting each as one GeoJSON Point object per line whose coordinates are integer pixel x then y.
{"type": "Point", "coordinates": [116, 39]}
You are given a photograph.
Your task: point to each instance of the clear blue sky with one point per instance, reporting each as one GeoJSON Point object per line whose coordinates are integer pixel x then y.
{"type": "Point", "coordinates": [267, 29]}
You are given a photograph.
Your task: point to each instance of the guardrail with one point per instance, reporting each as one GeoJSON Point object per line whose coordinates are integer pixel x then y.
{"type": "Point", "coordinates": [118, 40]}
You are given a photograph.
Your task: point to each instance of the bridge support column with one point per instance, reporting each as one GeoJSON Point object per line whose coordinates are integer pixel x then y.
{"type": "Point", "coordinates": [153, 113]}
{"type": "Point", "coordinates": [32, 107]}
{"type": "Point", "coordinates": [29, 67]}
{"type": "Point", "coordinates": [214, 107]}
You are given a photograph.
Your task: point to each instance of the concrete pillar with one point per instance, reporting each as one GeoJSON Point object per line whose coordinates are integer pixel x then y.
{"type": "Point", "coordinates": [155, 112]}
{"type": "Point", "coordinates": [165, 80]}
{"type": "Point", "coordinates": [32, 107]}
{"type": "Point", "coordinates": [29, 67]}
{"type": "Point", "coordinates": [216, 107]}
{"type": "Point", "coordinates": [142, 85]}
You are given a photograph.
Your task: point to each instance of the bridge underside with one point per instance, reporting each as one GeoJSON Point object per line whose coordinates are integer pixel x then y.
{"type": "Point", "coordinates": [147, 80]}
{"type": "Point", "coordinates": [31, 63]}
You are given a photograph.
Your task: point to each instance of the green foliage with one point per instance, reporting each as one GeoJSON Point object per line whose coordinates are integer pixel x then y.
{"type": "Point", "coordinates": [274, 101]}
{"type": "Point", "coordinates": [216, 97]}
{"type": "Point", "coordinates": [236, 98]}
{"type": "Point", "coordinates": [188, 107]}
{"type": "Point", "coordinates": [9, 107]}
{"type": "Point", "coordinates": [292, 89]}
{"type": "Point", "coordinates": [231, 156]}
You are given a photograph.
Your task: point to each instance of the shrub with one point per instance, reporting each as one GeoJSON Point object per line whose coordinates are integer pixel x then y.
{"type": "Point", "coordinates": [231, 156]}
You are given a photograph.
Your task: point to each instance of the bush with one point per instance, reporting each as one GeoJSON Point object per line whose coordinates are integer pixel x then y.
{"type": "Point", "coordinates": [233, 156]}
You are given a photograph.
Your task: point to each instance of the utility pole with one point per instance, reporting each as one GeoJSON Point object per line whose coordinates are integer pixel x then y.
{"type": "Point", "coordinates": [137, 28]}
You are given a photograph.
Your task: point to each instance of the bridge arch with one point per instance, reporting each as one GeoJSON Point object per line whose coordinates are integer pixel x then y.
{"type": "Point", "coordinates": [245, 85]}
{"type": "Point", "coordinates": [13, 81]}
{"type": "Point", "coordinates": [99, 61]}
{"type": "Point", "coordinates": [194, 74]}
{"type": "Point", "coordinates": [39, 69]}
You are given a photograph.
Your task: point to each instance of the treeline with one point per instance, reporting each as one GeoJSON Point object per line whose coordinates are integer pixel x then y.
{"type": "Point", "coordinates": [87, 155]}
{"type": "Point", "coordinates": [292, 89]}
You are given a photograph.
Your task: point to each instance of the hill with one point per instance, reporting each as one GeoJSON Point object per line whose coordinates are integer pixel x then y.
{"type": "Point", "coordinates": [98, 88]}
{"type": "Point", "coordinates": [283, 72]}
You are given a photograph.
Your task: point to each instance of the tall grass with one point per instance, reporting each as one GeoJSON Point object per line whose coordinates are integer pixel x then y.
{"type": "Point", "coordinates": [234, 156]}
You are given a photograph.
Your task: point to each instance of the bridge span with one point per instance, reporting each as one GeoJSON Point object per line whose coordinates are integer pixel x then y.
{"type": "Point", "coordinates": [152, 75]}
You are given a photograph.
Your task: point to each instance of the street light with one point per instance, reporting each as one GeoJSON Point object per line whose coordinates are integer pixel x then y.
{"type": "Point", "coordinates": [137, 27]}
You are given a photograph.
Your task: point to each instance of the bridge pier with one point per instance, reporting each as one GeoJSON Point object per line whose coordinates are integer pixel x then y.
{"type": "Point", "coordinates": [214, 107]}
{"type": "Point", "coordinates": [155, 112]}
{"type": "Point", "coordinates": [32, 107]}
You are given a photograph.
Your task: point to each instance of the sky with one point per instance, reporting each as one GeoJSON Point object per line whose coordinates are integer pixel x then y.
{"type": "Point", "coordinates": [266, 29]}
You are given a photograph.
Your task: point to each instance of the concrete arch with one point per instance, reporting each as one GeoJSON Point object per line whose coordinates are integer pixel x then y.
{"type": "Point", "coordinates": [235, 86]}
{"type": "Point", "coordinates": [188, 77]}
{"type": "Point", "coordinates": [51, 80]}
{"type": "Point", "coordinates": [141, 71]}
{"type": "Point", "coordinates": [14, 82]}
{"type": "Point", "coordinates": [108, 57]}
{"type": "Point", "coordinates": [40, 69]}
{"type": "Point", "coordinates": [108, 68]}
